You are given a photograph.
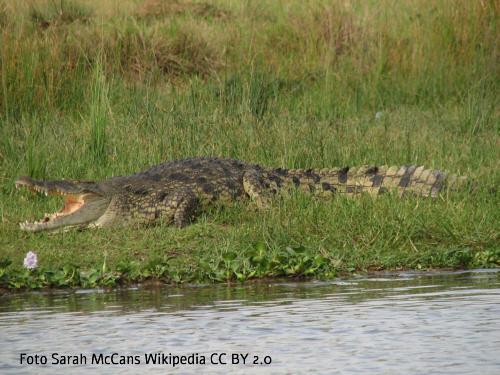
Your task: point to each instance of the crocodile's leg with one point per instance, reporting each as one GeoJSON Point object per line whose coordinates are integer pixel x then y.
{"type": "Point", "coordinates": [253, 184]}
{"type": "Point", "coordinates": [185, 204]}
{"type": "Point", "coordinates": [177, 206]}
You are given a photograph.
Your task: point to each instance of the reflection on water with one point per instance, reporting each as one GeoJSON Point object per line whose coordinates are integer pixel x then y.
{"type": "Point", "coordinates": [418, 323]}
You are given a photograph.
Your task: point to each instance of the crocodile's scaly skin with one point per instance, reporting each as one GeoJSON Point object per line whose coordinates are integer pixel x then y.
{"type": "Point", "coordinates": [173, 190]}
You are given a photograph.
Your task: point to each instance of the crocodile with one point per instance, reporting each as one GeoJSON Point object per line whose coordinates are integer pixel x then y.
{"type": "Point", "coordinates": [175, 190]}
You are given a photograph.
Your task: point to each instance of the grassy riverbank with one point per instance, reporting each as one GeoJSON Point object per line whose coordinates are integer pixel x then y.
{"type": "Point", "coordinates": [92, 91]}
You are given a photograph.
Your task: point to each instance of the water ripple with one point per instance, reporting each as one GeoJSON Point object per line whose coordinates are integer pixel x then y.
{"type": "Point", "coordinates": [412, 323]}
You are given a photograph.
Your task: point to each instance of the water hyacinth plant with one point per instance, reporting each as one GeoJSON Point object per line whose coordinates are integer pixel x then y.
{"type": "Point", "coordinates": [31, 260]}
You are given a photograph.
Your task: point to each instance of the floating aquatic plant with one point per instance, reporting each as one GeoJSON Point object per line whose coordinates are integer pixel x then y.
{"type": "Point", "coordinates": [31, 260]}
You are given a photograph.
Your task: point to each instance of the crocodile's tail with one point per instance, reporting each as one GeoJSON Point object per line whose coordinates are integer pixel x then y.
{"type": "Point", "coordinates": [375, 180]}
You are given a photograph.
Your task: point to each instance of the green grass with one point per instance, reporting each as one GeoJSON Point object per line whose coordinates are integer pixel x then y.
{"type": "Point", "coordinates": [95, 91]}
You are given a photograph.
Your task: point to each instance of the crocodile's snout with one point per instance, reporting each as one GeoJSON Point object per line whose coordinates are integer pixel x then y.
{"type": "Point", "coordinates": [81, 205]}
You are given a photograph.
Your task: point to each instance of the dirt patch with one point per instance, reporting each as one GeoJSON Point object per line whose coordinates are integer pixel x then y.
{"type": "Point", "coordinates": [159, 8]}
{"type": "Point", "coordinates": [52, 14]}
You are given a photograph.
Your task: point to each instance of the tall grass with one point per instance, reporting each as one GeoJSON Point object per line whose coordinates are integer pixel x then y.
{"type": "Point", "coordinates": [367, 52]}
{"type": "Point", "coordinates": [99, 113]}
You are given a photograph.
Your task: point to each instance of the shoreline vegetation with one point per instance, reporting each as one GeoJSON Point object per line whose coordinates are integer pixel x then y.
{"type": "Point", "coordinates": [93, 90]}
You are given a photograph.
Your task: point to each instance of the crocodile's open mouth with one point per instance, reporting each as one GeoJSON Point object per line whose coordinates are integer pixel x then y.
{"type": "Point", "coordinates": [79, 207]}
{"type": "Point", "coordinates": [72, 203]}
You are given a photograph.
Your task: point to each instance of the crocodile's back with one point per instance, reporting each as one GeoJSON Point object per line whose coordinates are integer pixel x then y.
{"type": "Point", "coordinates": [207, 176]}
{"type": "Point", "coordinates": [223, 178]}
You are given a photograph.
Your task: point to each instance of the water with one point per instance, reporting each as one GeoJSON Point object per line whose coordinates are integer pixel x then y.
{"type": "Point", "coordinates": [404, 323]}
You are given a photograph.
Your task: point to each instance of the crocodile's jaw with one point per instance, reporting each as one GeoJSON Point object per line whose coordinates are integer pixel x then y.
{"type": "Point", "coordinates": [80, 208]}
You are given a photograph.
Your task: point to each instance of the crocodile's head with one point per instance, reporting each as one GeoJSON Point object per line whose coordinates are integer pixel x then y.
{"type": "Point", "coordinates": [84, 203]}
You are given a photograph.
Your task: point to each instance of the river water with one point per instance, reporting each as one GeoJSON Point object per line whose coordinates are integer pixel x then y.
{"type": "Point", "coordinates": [398, 323]}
